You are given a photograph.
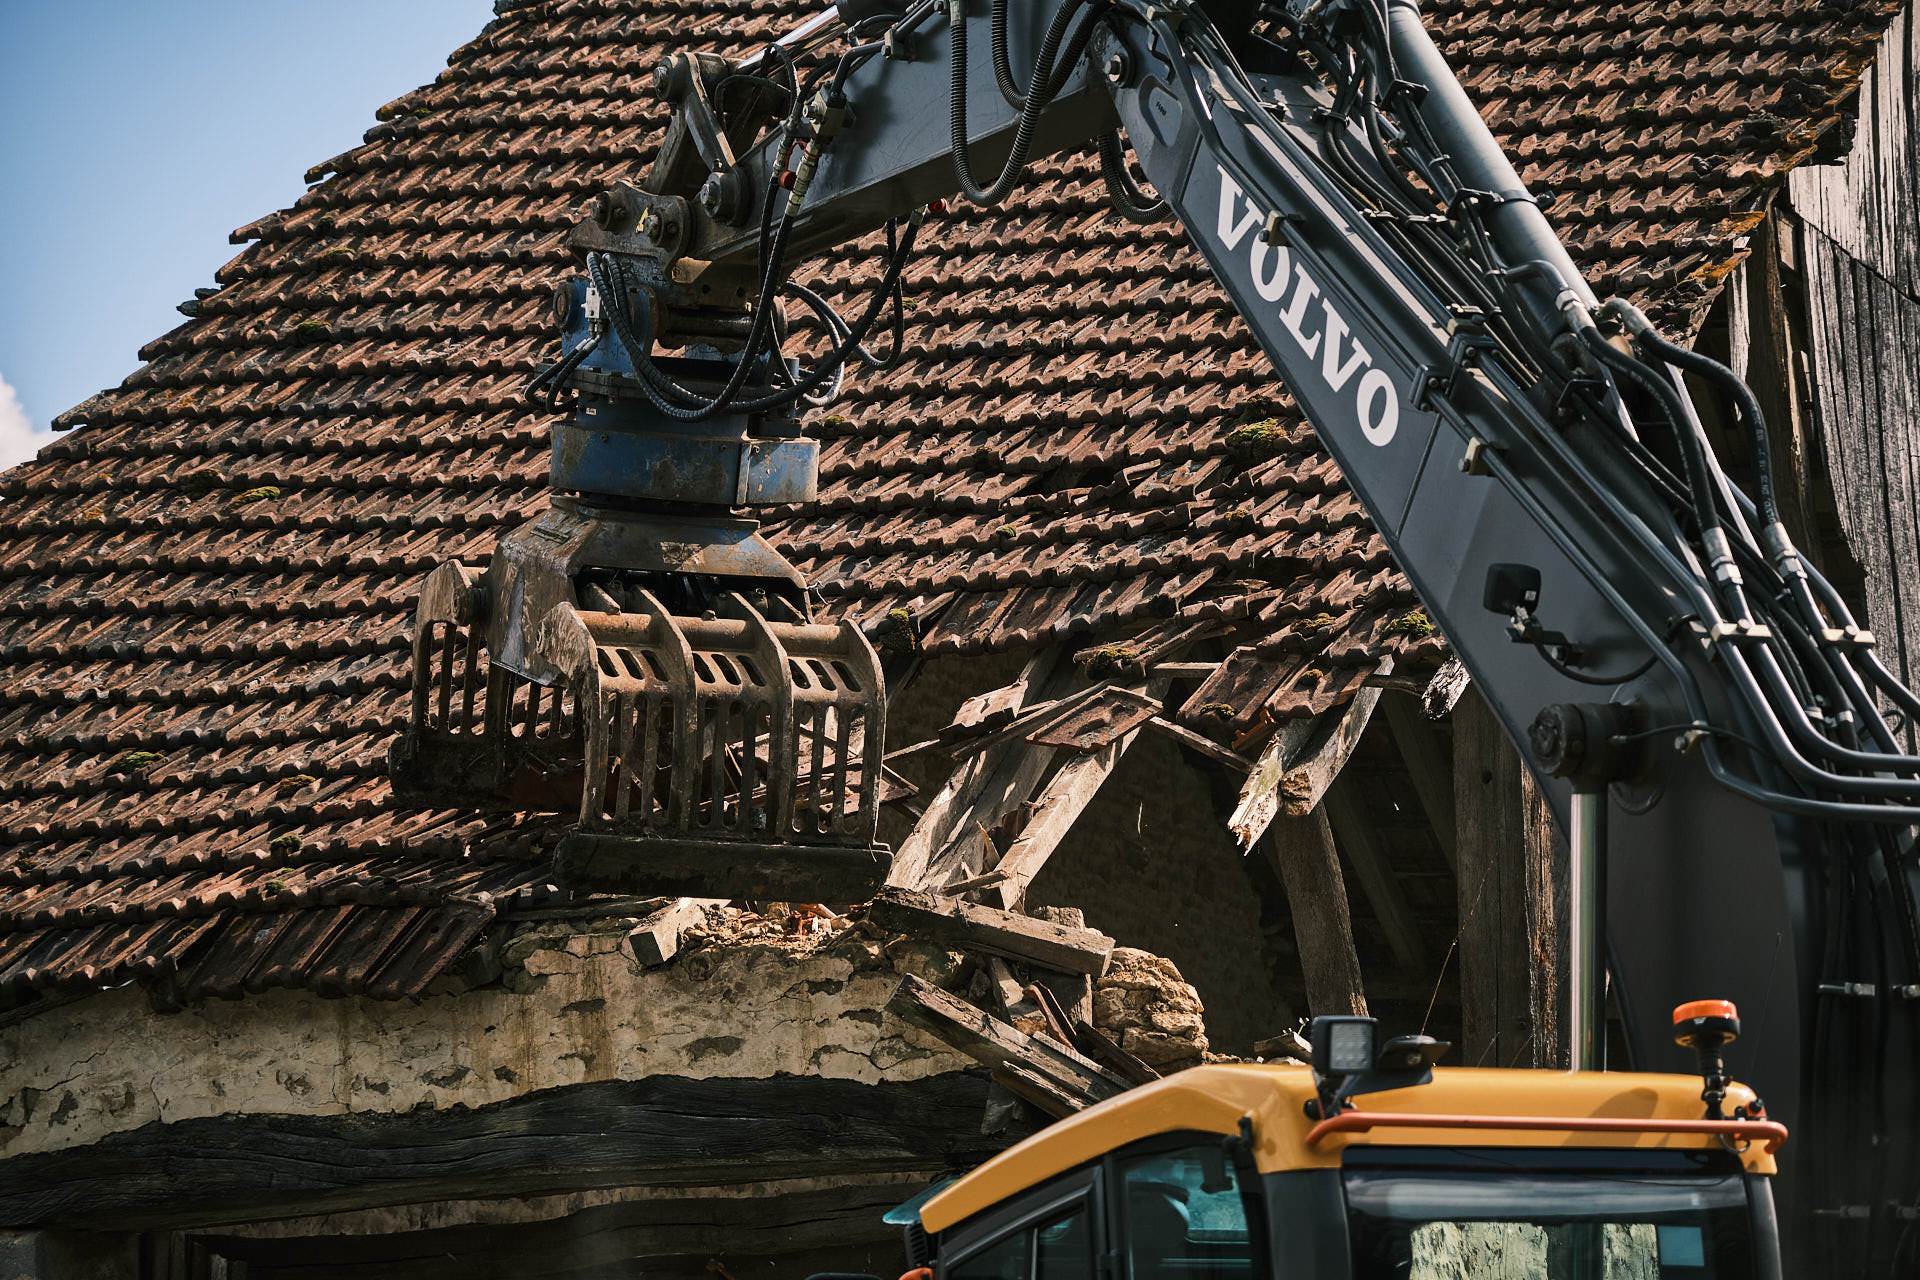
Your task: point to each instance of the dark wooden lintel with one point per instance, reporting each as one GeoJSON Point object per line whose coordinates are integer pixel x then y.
{"type": "Point", "coordinates": [665, 1130]}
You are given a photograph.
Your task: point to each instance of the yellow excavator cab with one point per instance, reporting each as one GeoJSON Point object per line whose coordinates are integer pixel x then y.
{"type": "Point", "coordinates": [1243, 1172]}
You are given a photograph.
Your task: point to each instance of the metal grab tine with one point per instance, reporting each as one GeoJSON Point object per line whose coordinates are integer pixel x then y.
{"type": "Point", "coordinates": [815, 787]}
{"type": "Point", "coordinates": [445, 674]}
{"type": "Point", "coordinates": [650, 758]}
{"type": "Point", "coordinates": [719, 738]}
{"type": "Point", "coordinates": [845, 710]}
{"type": "Point", "coordinates": [623, 722]}
{"type": "Point", "coordinates": [471, 680]}
{"type": "Point", "coordinates": [780, 726]}
{"type": "Point", "coordinates": [677, 656]}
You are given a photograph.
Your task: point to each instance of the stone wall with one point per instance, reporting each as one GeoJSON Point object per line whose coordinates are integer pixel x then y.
{"type": "Point", "coordinates": [571, 1008]}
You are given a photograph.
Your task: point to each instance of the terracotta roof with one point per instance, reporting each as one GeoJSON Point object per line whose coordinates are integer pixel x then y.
{"type": "Point", "coordinates": [204, 589]}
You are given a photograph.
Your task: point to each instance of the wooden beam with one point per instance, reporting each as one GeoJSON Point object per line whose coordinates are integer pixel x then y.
{"type": "Point", "coordinates": [1428, 765]}
{"type": "Point", "coordinates": [1444, 690]}
{"type": "Point", "coordinates": [1512, 902]}
{"type": "Point", "coordinates": [1769, 371]}
{"type": "Point", "coordinates": [1303, 856]}
{"type": "Point", "coordinates": [1059, 805]}
{"type": "Point", "coordinates": [1354, 832]}
{"type": "Point", "coordinates": [1201, 744]}
{"type": "Point", "coordinates": [1297, 767]}
{"type": "Point", "coordinates": [979, 788]}
{"type": "Point", "coordinates": [594, 1240]}
{"type": "Point", "coordinates": [970, 926]}
{"type": "Point", "coordinates": [656, 939]}
{"type": "Point", "coordinates": [997, 1044]}
{"type": "Point", "coordinates": [659, 1131]}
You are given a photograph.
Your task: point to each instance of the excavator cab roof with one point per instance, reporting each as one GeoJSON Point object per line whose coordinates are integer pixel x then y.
{"type": "Point", "coordinates": [1463, 1107]}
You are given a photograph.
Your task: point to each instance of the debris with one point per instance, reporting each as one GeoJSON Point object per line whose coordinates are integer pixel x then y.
{"type": "Point", "coordinates": [656, 939]}
{"type": "Point", "coordinates": [1152, 1011]}
{"type": "Point", "coordinates": [261, 493]}
{"type": "Point", "coordinates": [1288, 1044]}
{"type": "Point", "coordinates": [285, 842]}
{"type": "Point", "coordinates": [991, 931]}
{"type": "Point", "coordinates": [1052, 1077]}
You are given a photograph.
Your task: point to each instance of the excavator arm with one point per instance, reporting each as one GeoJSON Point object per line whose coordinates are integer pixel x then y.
{"type": "Point", "coordinates": [1716, 735]}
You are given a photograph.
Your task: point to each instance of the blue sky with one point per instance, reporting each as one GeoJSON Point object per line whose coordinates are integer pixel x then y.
{"type": "Point", "coordinates": [135, 134]}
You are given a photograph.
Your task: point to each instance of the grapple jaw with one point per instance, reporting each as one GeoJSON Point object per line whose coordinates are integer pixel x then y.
{"type": "Point", "coordinates": [717, 743]}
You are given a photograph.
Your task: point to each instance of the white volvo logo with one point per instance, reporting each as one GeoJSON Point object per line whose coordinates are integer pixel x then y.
{"type": "Point", "coordinates": [1286, 284]}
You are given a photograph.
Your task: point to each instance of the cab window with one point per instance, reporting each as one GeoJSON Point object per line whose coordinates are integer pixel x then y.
{"type": "Point", "coordinates": [1184, 1215]}
{"type": "Point", "coordinates": [1057, 1247]}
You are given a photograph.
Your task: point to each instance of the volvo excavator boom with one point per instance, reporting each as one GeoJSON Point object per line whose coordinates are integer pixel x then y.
{"type": "Point", "coordinates": [1716, 734]}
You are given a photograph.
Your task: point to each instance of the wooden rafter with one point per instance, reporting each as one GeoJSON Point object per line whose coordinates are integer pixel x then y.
{"type": "Point", "coordinates": [985, 786]}
{"type": "Point", "coordinates": [1059, 805]}
{"type": "Point", "coordinates": [1293, 773]}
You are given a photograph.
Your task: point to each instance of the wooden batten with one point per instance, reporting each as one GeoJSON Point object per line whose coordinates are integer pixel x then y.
{"type": "Point", "coordinates": [992, 931]}
{"type": "Point", "coordinates": [1059, 805]}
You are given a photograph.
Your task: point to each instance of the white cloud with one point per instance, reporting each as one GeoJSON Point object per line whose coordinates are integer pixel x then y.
{"type": "Point", "coordinates": [19, 439]}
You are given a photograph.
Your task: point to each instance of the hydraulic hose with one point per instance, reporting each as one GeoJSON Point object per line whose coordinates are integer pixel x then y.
{"type": "Point", "coordinates": [1037, 100]}
{"type": "Point", "coordinates": [1124, 195]}
{"type": "Point", "coordinates": [1745, 403]}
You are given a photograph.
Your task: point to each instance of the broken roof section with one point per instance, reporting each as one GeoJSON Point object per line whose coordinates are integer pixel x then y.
{"type": "Point", "coordinates": [204, 589]}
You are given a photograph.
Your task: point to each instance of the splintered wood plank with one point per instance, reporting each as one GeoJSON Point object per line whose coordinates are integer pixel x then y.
{"type": "Point", "coordinates": [1428, 765]}
{"type": "Point", "coordinates": [1299, 764]}
{"type": "Point", "coordinates": [996, 1044]}
{"type": "Point", "coordinates": [1059, 805]}
{"type": "Point", "coordinates": [1200, 743]}
{"type": "Point", "coordinates": [972, 926]}
{"type": "Point", "coordinates": [977, 792]}
{"type": "Point", "coordinates": [1302, 853]}
{"type": "Point", "coordinates": [1444, 690]}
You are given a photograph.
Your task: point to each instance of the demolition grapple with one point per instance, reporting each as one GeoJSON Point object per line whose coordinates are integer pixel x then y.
{"type": "Point", "coordinates": [638, 659]}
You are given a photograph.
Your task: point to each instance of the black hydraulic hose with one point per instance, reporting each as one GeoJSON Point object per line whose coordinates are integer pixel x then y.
{"type": "Point", "coordinates": [1124, 196]}
{"type": "Point", "coordinates": [1037, 101]}
{"type": "Point", "coordinates": [1705, 510]}
{"type": "Point", "coordinates": [1002, 64]}
{"type": "Point", "coordinates": [657, 385]}
{"type": "Point", "coordinates": [1746, 405]}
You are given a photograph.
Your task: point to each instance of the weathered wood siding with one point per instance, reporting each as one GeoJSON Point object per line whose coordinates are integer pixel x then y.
{"type": "Point", "coordinates": [1870, 205]}
{"type": "Point", "coordinates": [1858, 253]}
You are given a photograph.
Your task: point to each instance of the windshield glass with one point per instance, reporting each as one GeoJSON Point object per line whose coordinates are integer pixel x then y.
{"type": "Point", "coordinates": [1464, 1224]}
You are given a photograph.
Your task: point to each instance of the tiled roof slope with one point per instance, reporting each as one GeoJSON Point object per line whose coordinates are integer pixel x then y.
{"type": "Point", "coordinates": [204, 590]}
